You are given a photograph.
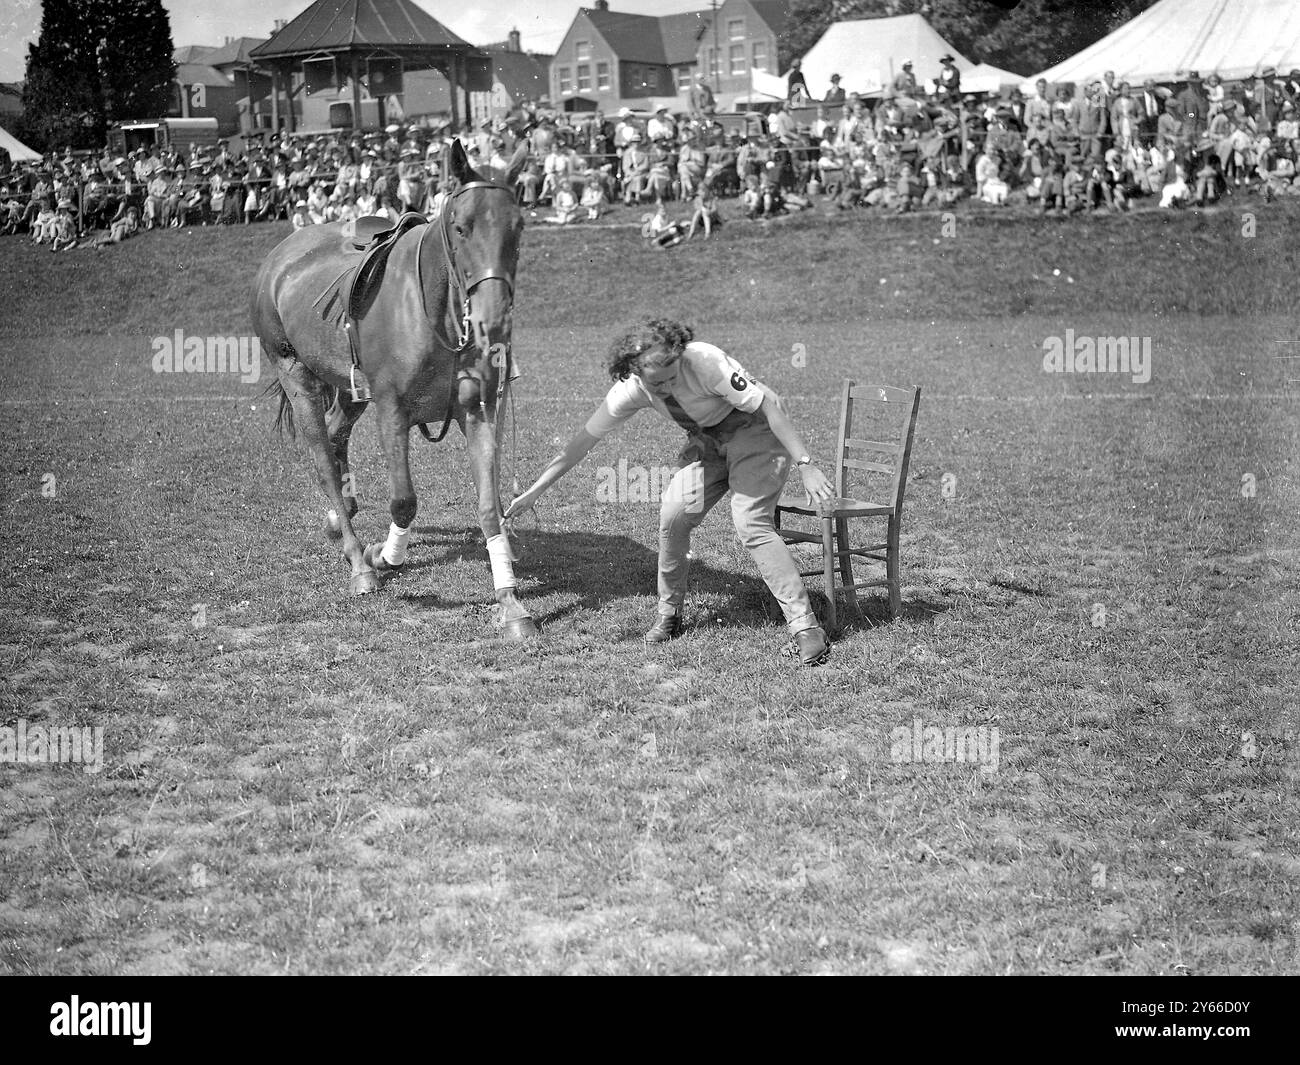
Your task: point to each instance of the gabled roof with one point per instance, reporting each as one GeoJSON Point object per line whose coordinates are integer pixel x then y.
{"type": "Point", "coordinates": [522, 74]}
{"type": "Point", "coordinates": [192, 53]}
{"type": "Point", "coordinates": [237, 51]}
{"type": "Point", "coordinates": [200, 74]}
{"type": "Point", "coordinates": [665, 40]}
{"type": "Point", "coordinates": [341, 24]}
{"type": "Point", "coordinates": [776, 13]}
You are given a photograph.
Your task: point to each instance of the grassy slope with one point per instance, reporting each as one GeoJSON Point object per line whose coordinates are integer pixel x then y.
{"type": "Point", "coordinates": [311, 783]}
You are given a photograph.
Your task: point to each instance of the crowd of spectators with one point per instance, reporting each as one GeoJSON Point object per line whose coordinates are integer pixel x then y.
{"type": "Point", "coordinates": [1103, 148]}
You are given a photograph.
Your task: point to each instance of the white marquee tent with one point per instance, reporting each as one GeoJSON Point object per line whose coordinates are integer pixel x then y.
{"type": "Point", "coordinates": [18, 151]}
{"type": "Point", "coordinates": [868, 53]}
{"type": "Point", "coordinates": [1232, 38]}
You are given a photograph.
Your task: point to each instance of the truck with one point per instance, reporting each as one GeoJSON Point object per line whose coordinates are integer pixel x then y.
{"type": "Point", "coordinates": [177, 133]}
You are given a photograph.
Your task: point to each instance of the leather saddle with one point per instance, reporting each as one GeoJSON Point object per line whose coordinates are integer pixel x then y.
{"type": "Point", "coordinates": [352, 292]}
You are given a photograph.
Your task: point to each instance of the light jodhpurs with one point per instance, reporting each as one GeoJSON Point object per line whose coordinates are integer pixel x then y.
{"type": "Point", "coordinates": [753, 464]}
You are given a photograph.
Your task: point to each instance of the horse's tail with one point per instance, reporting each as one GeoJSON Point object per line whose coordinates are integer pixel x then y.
{"type": "Point", "coordinates": [284, 416]}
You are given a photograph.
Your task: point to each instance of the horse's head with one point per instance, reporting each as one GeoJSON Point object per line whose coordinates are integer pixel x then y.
{"type": "Point", "coordinates": [481, 228]}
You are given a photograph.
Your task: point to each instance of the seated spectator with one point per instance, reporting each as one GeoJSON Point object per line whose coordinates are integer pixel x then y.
{"type": "Point", "coordinates": [125, 223]}
{"type": "Point", "coordinates": [565, 203]}
{"type": "Point", "coordinates": [1176, 193]}
{"type": "Point", "coordinates": [593, 196]}
{"type": "Point", "coordinates": [1052, 191]}
{"type": "Point", "coordinates": [63, 233]}
{"type": "Point", "coordinates": [706, 212]}
{"type": "Point", "coordinates": [1209, 180]}
{"type": "Point", "coordinates": [908, 190]}
{"type": "Point", "coordinates": [300, 216]}
{"type": "Point", "coordinates": [751, 200]}
{"type": "Point", "coordinates": [43, 224]}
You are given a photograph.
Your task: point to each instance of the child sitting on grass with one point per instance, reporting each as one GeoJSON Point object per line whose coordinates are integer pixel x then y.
{"type": "Point", "coordinates": [64, 234]}
{"type": "Point", "coordinates": [593, 196]}
{"type": "Point", "coordinates": [706, 211]}
{"type": "Point", "coordinates": [565, 203]}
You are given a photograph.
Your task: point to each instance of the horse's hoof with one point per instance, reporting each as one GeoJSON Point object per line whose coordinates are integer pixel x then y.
{"type": "Point", "coordinates": [520, 630]}
{"type": "Point", "coordinates": [374, 558]}
{"type": "Point", "coordinates": [364, 583]}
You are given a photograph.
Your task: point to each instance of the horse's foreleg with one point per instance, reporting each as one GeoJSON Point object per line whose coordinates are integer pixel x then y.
{"type": "Point", "coordinates": [395, 437]}
{"type": "Point", "coordinates": [480, 439]}
{"type": "Point", "coordinates": [339, 420]}
{"type": "Point", "coordinates": [307, 395]}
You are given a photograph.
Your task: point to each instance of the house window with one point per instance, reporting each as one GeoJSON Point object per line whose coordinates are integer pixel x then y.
{"type": "Point", "coordinates": [584, 77]}
{"type": "Point", "coordinates": [582, 51]}
{"type": "Point", "coordinates": [735, 29]}
{"type": "Point", "coordinates": [566, 86]}
{"type": "Point", "coordinates": [737, 56]}
{"type": "Point", "coordinates": [602, 75]}
{"type": "Point", "coordinates": [683, 78]}
{"type": "Point", "coordinates": [713, 63]}
{"type": "Point", "coordinates": [760, 55]}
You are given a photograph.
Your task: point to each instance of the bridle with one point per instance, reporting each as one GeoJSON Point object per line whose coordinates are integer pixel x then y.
{"type": "Point", "coordinates": [459, 285]}
{"type": "Point", "coordinates": [459, 289]}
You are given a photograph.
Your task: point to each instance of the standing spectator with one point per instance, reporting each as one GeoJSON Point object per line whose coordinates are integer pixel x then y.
{"type": "Point", "coordinates": [949, 80]}
{"type": "Point", "coordinates": [636, 171]}
{"type": "Point", "coordinates": [1038, 106]}
{"type": "Point", "coordinates": [796, 84]}
{"type": "Point", "coordinates": [1123, 117]}
{"type": "Point", "coordinates": [660, 127]}
{"type": "Point", "coordinates": [835, 95]}
{"type": "Point", "coordinates": [625, 130]}
{"type": "Point", "coordinates": [691, 166]}
{"type": "Point", "coordinates": [1193, 108]}
{"type": "Point", "coordinates": [905, 81]}
{"type": "Point", "coordinates": [1150, 108]}
{"type": "Point", "coordinates": [1092, 122]}
{"type": "Point", "coordinates": [1170, 129]}
{"type": "Point", "coordinates": [702, 102]}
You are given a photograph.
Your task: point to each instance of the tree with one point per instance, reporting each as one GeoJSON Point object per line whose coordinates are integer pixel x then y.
{"type": "Point", "coordinates": [96, 62]}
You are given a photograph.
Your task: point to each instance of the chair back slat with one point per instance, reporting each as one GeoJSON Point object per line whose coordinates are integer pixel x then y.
{"type": "Point", "coordinates": [870, 467]}
{"type": "Point", "coordinates": [874, 445]}
{"type": "Point", "coordinates": [880, 393]}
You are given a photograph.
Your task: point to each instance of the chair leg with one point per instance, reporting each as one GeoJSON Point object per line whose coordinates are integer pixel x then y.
{"type": "Point", "coordinates": [846, 566]}
{"type": "Point", "coordinates": [828, 572]}
{"type": "Point", "coordinates": [892, 571]}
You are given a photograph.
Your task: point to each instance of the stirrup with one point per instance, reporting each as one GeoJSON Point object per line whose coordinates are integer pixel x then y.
{"type": "Point", "coordinates": [362, 394]}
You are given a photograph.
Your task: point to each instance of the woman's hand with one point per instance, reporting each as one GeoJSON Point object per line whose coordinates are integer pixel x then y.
{"type": "Point", "coordinates": [819, 489]}
{"type": "Point", "coordinates": [523, 503]}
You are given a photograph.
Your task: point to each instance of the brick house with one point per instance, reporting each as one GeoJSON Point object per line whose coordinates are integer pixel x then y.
{"type": "Point", "coordinates": [748, 33]}
{"type": "Point", "coordinates": [612, 59]}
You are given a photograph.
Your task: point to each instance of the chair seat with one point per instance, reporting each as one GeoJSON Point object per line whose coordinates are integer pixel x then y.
{"type": "Point", "coordinates": [843, 507]}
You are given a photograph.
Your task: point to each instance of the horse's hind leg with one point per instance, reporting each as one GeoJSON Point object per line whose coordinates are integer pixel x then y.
{"type": "Point", "coordinates": [342, 415]}
{"type": "Point", "coordinates": [308, 394]}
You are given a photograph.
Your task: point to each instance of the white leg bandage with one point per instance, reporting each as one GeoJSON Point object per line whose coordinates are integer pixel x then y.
{"type": "Point", "coordinates": [394, 552]}
{"type": "Point", "coordinates": [503, 573]}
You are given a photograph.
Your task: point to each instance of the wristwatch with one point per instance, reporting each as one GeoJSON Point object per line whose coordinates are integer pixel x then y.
{"type": "Point", "coordinates": [804, 461]}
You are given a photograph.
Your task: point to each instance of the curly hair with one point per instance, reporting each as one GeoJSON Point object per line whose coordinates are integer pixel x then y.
{"type": "Point", "coordinates": [625, 353]}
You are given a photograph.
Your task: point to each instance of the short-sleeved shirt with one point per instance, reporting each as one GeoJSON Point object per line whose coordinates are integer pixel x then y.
{"type": "Point", "coordinates": [710, 384]}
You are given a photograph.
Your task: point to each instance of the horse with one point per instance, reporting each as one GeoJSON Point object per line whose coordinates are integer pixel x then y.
{"type": "Point", "coordinates": [433, 345]}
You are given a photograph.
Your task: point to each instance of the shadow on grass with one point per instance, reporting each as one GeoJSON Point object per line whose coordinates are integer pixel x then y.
{"type": "Point", "coordinates": [600, 569]}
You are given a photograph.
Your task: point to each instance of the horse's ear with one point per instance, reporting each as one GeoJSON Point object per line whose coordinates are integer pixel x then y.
{"type": "Point", "coordinates": [460, 168]}
{"type": "Point", "coordinates": [517, 162]}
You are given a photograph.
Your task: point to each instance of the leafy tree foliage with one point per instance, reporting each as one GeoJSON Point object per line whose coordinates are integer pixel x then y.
{"type": "Point", "coordinates": [95, 62]}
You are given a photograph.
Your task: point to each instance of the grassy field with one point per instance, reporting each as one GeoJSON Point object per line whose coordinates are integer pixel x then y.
{"type": "Point", "coordinates": [1103, 570]}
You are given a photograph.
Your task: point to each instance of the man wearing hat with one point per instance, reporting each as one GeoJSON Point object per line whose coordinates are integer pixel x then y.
{"type": "Point", "coordinates": [1193, 107]}
{"type": "Point", "coordinates": [1265, 101]}
{"type": "Point", "coordinates": [949, 79]}
{"type": "Point", "coordinates": [905, 81]}
{"type": "Point", "coordinates": [836, 94]}
{"type": "Point", "coordinates": [702, 102]}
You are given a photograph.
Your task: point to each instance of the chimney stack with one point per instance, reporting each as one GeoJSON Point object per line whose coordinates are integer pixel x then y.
{"type": "Point", "coordinates": [512, 41]}
{"type": "Point", "coordinates": [602, 5]}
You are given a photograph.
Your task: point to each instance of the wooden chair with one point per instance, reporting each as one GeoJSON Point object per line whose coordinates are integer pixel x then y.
{"type": "Point", "coordinates": [862, 408]}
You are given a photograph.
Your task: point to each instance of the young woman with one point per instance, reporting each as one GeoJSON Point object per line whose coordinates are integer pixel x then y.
{"type": "Point", "coordinates": [738, 438]}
